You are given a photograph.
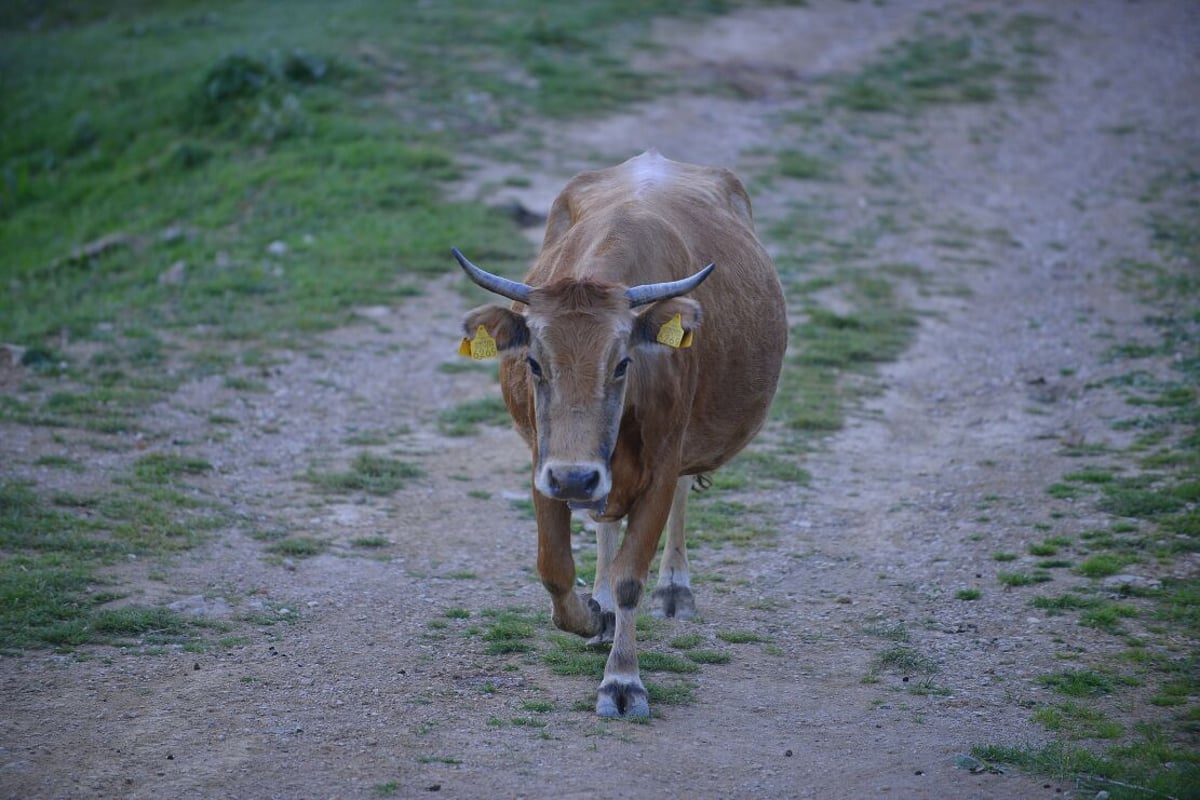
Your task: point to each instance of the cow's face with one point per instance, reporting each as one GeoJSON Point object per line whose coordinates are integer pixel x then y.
{"type": "Point", "coordinates": [580, 341]}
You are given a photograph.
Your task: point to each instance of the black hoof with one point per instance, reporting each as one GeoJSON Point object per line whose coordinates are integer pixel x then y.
{"type": "Point", "coordinates": [607, 631]}
{"type": "Point", "coordinates": [604, 623]}
{"type": "Point", "coordinates": [622, 700]}
{"type": "Point", "coordinates": [674, 601]}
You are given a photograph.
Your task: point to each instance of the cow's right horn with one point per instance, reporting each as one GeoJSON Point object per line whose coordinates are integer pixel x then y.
{"type": "Point", "coordinates": [513, 290]}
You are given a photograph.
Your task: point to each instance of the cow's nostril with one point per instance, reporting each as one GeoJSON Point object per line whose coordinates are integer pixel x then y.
{"type": "Point", "coordinates": [573, 482]}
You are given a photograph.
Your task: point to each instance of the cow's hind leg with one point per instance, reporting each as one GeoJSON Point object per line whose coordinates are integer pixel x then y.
{"type": "Point", "coordinates": [673, 594]}
{"type": "Point", "coordinates": [607, 536]}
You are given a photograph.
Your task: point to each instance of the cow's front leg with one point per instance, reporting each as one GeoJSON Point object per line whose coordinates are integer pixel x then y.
{"type": "Point", "coordinates": [607, 535]}
{"type": "Point", "coordinates": [622, 693]}
{"type": "Point", "coordinates": [556, 566]}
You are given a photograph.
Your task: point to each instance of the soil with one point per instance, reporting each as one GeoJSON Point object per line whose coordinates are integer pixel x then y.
{"type": "Point", "coordinates": [360, 697]}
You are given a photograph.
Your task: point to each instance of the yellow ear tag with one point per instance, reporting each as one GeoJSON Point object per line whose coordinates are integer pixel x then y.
{"type": "Point", "coordinates": [480, 347]}
{"type": "Point", "coordinates": [671, 333]}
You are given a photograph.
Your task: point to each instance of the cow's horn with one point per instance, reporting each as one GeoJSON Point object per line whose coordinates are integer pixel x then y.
{"type": "Point", "coordinates": [649, 292]}
{"type": "Point", "coordinates": [493, 283]}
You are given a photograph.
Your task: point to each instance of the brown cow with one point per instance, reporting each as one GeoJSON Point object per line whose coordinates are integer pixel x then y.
{"type": "Point", "coordinates": [618, 404]}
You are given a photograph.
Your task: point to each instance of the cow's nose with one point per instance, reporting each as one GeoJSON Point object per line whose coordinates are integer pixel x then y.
{"type": "Point", "coordinates": [573, 482]}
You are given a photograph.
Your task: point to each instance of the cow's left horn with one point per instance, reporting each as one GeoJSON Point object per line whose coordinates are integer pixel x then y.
{"type": "Point", "coordinates": [513, 290]}
{"type": "Point", "coordinates": [649, 292]}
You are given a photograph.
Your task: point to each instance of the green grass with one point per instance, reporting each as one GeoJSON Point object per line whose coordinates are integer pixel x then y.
{"type": "Point", "coordinates": [687, 641]}
{"type": "Point", "coordinates": [1017, 579]}
{"type": "Point", "coordinates": [1078, 683]}
{"type": "Point", "coordinates": [57, 548]}
{"type": "Point", "coordinates": [968, 594]}
{"type": "Point", "coordinates": [1107, 617]}
{"type": "Point", "coordinates": [827, 347]}
{"type": "Point", "coordinates": [276, 125]}
{"type": "Point", "coordinates": [701, 656]}
{"type": "Point", "coordinates": [371, 473]}
{"type": "Point", "coordinates": [570, 656]}
{"type": "Point", "coordinates": [1148, 768]}
{"type": "Point", "coordinates": [905, 659]}
{"type": "Point", "coordinates": [1078, 722]}
{"type": "Point", "coordinates": [510, 631]}
{"type": "Point", "coordinates": [1102, 565]}
{"type": "Point", "coordinates": [974, 64]}
{"type": "Point", "coordinates": [1063, 603]}
{"type": "Point", "coordinates": [298, 547]}
{"type": "Point", "coordinates": [743, 637]}
{"type": "Point", "coordinates": [802, 166]}
{"type": "Point", "coordinates": [465, 418]}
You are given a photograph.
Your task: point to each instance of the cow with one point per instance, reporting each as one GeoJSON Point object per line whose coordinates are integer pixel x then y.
{"type": "Point", "coordinates": [623, 397]}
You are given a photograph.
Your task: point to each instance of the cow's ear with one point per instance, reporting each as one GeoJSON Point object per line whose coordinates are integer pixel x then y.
{"type": "Point", "coordinates": [504, 325]}
{"type": "Point", "coordinates": [667, 323]}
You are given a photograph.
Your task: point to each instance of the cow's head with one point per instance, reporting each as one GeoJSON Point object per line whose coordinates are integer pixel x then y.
{"type": "Point", "coordinates": [578, 339]}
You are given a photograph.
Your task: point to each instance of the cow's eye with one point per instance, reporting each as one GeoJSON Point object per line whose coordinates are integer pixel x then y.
{"type": "Point", "coordinates": [534, 367]}
{"type": "Point", "coordinates": [619, 372]}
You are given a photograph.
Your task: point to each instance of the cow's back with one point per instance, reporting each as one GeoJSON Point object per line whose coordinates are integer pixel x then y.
{"type": "Point", "coordinates": [675, 218]}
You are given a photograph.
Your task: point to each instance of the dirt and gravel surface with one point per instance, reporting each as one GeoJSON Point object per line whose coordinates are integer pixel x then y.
{"type": "Point", "coordinates": [360, 697]}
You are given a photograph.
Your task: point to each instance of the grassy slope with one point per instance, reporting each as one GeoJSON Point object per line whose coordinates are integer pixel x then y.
{"type": "Point", "coordinates": [158, 159]}
{"type": "Point", "coordinates": [201, 137]}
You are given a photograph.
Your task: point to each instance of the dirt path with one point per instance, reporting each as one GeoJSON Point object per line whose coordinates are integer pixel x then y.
{"type": "Point", "coordinates": [375, 692]}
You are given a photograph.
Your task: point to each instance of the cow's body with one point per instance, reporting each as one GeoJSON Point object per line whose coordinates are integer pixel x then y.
{"type": "Point", "coordinates": [618, 422]}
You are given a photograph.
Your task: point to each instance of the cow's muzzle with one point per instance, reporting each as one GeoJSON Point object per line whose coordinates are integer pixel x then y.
{"type": "Point", "coordinates": [586, 484]}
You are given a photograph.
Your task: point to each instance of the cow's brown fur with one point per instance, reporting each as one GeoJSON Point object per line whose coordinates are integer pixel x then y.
{"type": "Point", "coordinates": [685, 411]}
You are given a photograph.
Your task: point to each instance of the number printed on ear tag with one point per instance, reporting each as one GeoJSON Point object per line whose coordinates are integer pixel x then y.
{"type": "Point", "coordinates": [483, 346]}
{"type": "Point", "coordinates": [671, 333]}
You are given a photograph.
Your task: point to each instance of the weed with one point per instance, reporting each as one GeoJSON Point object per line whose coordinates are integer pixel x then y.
{"type": "Point", "coordinates": [1064, 491]}
{"type": "Point", "coordinates": [674, 694]}
{"type": "Point", "coordinates": [687, 641]}
{"type": "Point", "coordinates": [298, 547]}
{"type": "Point", "coordinates": [1107, 617]}
{"type": "Point", "coordinates": [1015, 579]}
{"type": "Point", "coordinates": [465, 418]}
{"type": "Point", "coordinates": [906, 660]}
{"type": "Point", "coordinates": [895, 631]}
{"type": "Point", "coordinates": [1066, 602]}
{"type": "Point", "coordinates": [708, 656]}
{"type": "Point", "coordinates": [653, 661]}
{"type": "Point", "coordinates": [968, 594]}
{"type": "Point", "coordinates": [1090, 475]}
{"type": "Point", "coordinates": [59, 462]}
{"type": "Point", "coordinates": [573, 658]}
{"type": "Point", "coordinates": [368, 472]}
{"type": "Point", "coordinates": [742, 637]}
{"type": "Point", "coordinates": [1100, 566]}
{"type": "Point", "coordinates": [139, 621]}
{"type": "Point", "coordinates": [934, 69]}
{"type": "Point", "coordinates": [1078, 683]}
{"type": "Point", "coordinates": [375, 542]}
{"type": "Point", "coordinates": [796, 164]}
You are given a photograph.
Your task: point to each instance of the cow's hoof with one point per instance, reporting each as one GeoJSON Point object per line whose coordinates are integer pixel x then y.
{"type": "Point", "coordinates": [623, 699]}
{"type": "Point", "coordinates": [607, 630]}
{"type": "Point", "coordinates": [674, 601]}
